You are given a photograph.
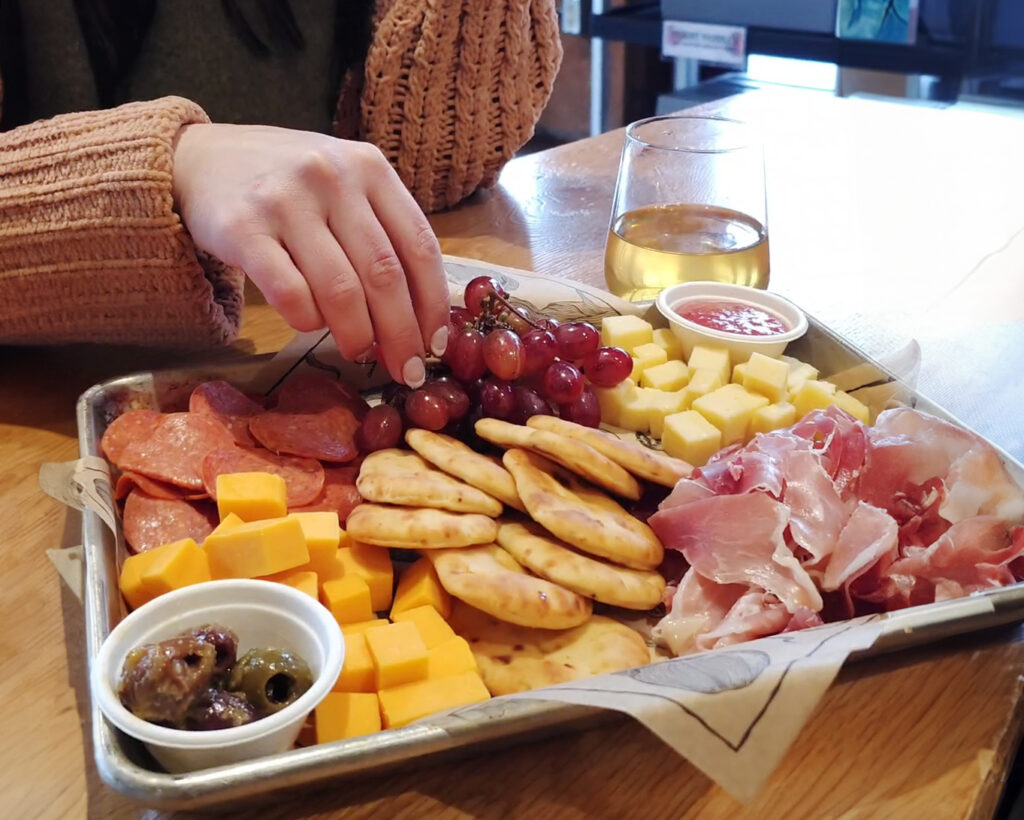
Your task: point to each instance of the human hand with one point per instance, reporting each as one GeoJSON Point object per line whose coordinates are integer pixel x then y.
{"type": "Point", "coordinates": [327, 232]}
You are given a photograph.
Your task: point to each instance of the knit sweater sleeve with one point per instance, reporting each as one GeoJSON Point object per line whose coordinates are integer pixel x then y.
{"type": "Point", "coordinates": [453, 88]}
{"type": "Point", "coordinates": [91, 249]}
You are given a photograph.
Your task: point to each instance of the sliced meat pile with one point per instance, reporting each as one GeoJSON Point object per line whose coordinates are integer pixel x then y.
{"type": "Point", "coordinates": [829, 519]}
{"type": "Point", "coordinates": [169, 462]}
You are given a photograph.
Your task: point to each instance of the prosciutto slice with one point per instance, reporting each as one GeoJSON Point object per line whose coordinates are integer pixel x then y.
{"type": "Point", "coordinates": [869, 536]}
{"type": "Point", "coordinates": [816, 512]}
{"type": "Point", "coordinates": [698, 606]}
{"type": "Point", "coordinates": [737, 539]}
{"type": "Point", "coordinates": [978, 484]}
{"type": "Point", "coordinates": [754, 615]}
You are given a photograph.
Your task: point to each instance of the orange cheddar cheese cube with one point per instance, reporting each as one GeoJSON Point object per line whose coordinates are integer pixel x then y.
{"type": "Point", "coordinates": [256, 548]}
{"type": "Point", "coordinates": [357, 671]}
{"type": "Point", "coordinates": [303, 580]}
{"type": "Point", "coordinates": [419, 585]}
{"type": "Point", "coordinates": [362, 626]}
{"type": "Point", "coordinates": [323, 535]}
{"type": "Point", "coordinates": [348, 598]}
{"type": "Point", "coordinates": [170, 566]}
{"type": "Point", "coordinates": [432, 627]}
{"type": "Point", "coordinates": [373, 565]}
{"type": "Point", "coordinates": [251, 496]}
{"type": "Point", "coordinates": [228, 522]}
{"type": "Point", "coordinates": [402, 705]}
{"type": "Point", "coordinates": [399, 654]}
{"type": "Point", "coordinates": [346, 714]}
{"type": "Point", "coordinates": [450, 657]}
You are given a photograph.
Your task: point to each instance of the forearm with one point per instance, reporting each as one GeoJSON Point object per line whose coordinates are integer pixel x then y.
{"type": "Point", "coordinates": [91, 248]}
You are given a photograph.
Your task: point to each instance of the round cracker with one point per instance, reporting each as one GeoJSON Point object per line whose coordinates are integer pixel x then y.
{"type": "Point", "coordinates": [489, 579]}
{"type": "Point", "coordinates": [418, 527]}
{"type": "Point", "coordinates": [537, 550]}
{"type": "Point", "coordinates": [458, 459]}
{"type": "Point", "coordinates": [602, 529]}
{"type": "Point", "coordinates": [516, 659]}
{"type": "Point", "coordinates": [574, 455]}
{"type": "Point", "coordinates": [394, 476]}
{"type": "Point", "coordinates": [639, 460]}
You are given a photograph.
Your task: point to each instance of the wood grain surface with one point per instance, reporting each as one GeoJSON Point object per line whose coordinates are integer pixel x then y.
{"type": "Point", "coordinates": [899, 226]}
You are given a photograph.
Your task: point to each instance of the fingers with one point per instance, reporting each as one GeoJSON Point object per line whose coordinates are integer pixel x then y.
{"type": "Point", "coordinates": [273, 271]}
{"type": "Point", "coordinates": [420, 255]}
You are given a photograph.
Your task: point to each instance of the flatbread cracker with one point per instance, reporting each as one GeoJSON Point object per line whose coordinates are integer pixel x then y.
{"type": "Point", "coordinates": [489, 579]}
{"type": "Point", "coordinates": [418, 527]}
{"type": "Point", "coordinates": [641, 461]}
{"type": "Point", "coordinates": [602, 529]}
{"type": "Point", "coordinates": [516, 659]}
{"type": "Point", "coordinates": [544, 555]}
{"type": "Point", "coordinates": [458, 459]}
{"type": "Point", "coordinates": [394, 476]}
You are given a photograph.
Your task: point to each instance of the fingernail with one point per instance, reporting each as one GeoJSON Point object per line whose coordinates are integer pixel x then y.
{"type": "Point", "coordinates": [413, 373]}
{"type": "Point", "coordinates": [439, 341]}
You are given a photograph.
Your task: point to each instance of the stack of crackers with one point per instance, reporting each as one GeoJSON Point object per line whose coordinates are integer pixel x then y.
{"type": "Point", "coordinates": [526, 543]}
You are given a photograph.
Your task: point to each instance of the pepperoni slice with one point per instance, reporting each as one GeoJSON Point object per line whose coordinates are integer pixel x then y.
{"type": "Point", "coordinates": [150, 522]}
{"type": "Point", "coordinates": [313, 390]}
{"type": "Point", "coordinates": [230, 406]}
{"type": "Point", "coordinates": [327, 434]}
{"type": "Point", "coordinates": [303, 477]}
{"type": "Point", "coordinates": [174, 451]}
{"type": "Point", "coordinates": [127, 429]}
{"type": "Point", "coordinates": [339, 493]}
{"type": "Point", "coordinates": [126, 482]}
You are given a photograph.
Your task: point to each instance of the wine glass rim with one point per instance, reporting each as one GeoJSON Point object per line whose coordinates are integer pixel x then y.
{"type": "Point", "coordinates": [633, 129]}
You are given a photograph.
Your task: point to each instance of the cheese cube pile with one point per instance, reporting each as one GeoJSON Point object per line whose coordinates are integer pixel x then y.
{"type": "Point", "coordinates": [700, 405]}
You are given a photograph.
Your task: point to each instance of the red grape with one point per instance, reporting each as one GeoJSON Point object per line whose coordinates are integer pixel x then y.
{"type": "Point", "coordinates": [563, 382]}
{"type": "Point", "coordinates": [426, 409]}
{"type": "Point", "coordinates": [528, 403]}
{"type": "Point", "coordinates": [540, 348]}
{"type": "Point", "coordinates": [458, 318]}
{"type": "Point", "coordinates": [496, 399]}
{"type": "Point", "coordinates": [454, 395]}
{"type": "Point", "coordinates": [381, 428]}
{"type": "Point", "coordinates": [585, 410]}
{"type": "Point", "coordinates": [608, 366]}
{"type": "Point", "coordinates": [465, 354]}
{"type": "Point", "coordinates": [519, 320]}
{"type": "Point", "coordinates": [478, 295]}
{"type": "Point", "coordinates": [576, 340]}
{"type": "Point", "coordinates": [503, 354]}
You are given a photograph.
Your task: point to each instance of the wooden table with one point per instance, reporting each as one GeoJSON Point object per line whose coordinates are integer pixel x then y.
{"type": "Point", "coordinates": [902, 227]}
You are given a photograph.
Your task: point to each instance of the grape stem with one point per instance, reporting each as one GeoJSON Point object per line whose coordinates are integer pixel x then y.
{"type": "Point", "coordinates": [501, 300]}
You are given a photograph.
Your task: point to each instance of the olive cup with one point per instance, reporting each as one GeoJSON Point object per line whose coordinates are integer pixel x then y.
{"type": "Point", "coordinates": [263, 615]}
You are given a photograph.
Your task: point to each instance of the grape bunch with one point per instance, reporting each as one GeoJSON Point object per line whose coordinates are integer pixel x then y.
{"type": "Point", "coordinates": [503, 363]}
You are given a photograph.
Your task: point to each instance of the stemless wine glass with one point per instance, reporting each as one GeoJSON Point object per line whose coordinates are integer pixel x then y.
{"type": "Point", "coordinates": [689, 205]}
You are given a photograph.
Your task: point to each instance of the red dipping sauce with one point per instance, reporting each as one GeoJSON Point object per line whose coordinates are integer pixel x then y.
{"type": "Point", "coordinates": [731, 317]}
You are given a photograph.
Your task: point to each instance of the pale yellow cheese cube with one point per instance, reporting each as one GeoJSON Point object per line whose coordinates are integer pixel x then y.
{"type": "Point", "coordinates": [671, 375]}
{"type": "Point", "coordinates": [665, 338]}
{"type": "Point", "coordinates": [739, 371]}
{"type": "Point", "coordinates": [634, 414]}
{"type": "Point", "coordinates": [771, 417]}
{"type": "Point", "coordinates": [638, 370]}
{"type": "Point", "coordinates": [729, 408]}
{"type": "Point", "coordinates": [813, 394]}
{"type": "Point", "coordinates": [626, 332]}
{"type": "Point", "coordinates": [706, 357]}
{"type": "Point", "coordinates": [610, 400]}
{"type": "Point", "coordinates": [766, 376]}
{"type": "Point", "coordinates": [701, 382]}
{"type": "Point", "coordinates": [855, 407]}
{"type": "Point", "coordinates": [660, 405]}
{"type": "Point", "coordinates": [644, 356]}
{"type": "Point", "coordinates": [799, 372]}
{"type": "Point", "coordinates": [691, 437]}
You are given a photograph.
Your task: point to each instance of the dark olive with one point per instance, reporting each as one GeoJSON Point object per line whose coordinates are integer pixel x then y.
{"type": "Point", "coordinates": [160, 681]}
{"type": "Point", "coordinates": [217, 709]}
{"type": "Point", "coordinates": [224, 641]}
{"type": "Point", "coordinates": [270, 679]}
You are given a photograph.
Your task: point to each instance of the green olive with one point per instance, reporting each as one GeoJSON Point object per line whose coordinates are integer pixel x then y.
{"type": "Point", "coordinates": [270, 679]}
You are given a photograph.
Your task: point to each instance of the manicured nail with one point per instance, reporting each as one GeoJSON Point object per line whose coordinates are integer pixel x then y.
{"type": "Point", "coordinates": [439, 341]}
{"type": "Point", "coordinates": [413, 373]}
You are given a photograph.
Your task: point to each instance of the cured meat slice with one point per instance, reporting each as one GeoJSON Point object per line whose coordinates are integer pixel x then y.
{"type": "Point", "coordinates": [339, 493]}
{"type": "Point", "coordinates": [229, 405]}
{"type": "Point", "coordinates": [841, 441]}
{"type": "Point", "coordinates": [754, 615]}
{"type": "Point", "coordinates": [309, 391]}
{"type": "Point", "coordinates": [127, 429]}
{"type": "Point", "coordinates": [869, 536]}
{"type": "Point", "coordinates": [738, 539]}
{"type": "Point", "coordinates": [685, 491]}
{"type": "Point", "coordinates": [150, 486]}
{"type": "Point", "coordinates": [174, 451]}
{"type": "Point", "coordinates": [150, 522]}
{"type": "Point", "coordinates": [816, 512]}
{"type": "Point", "coordinates": [327, 434]}
{"type": "Point", "coordinates": [303, 477]}
{"type": "Point", "coordinates": [978, 484]}
{"type": "Point", "coordinates": [698, 605]}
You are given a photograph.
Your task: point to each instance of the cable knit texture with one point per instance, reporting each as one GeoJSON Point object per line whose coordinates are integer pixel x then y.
{"type": "Point", "coordinates": [91, 249]}
{"type": "Point", "coordinates": [451, 89]}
